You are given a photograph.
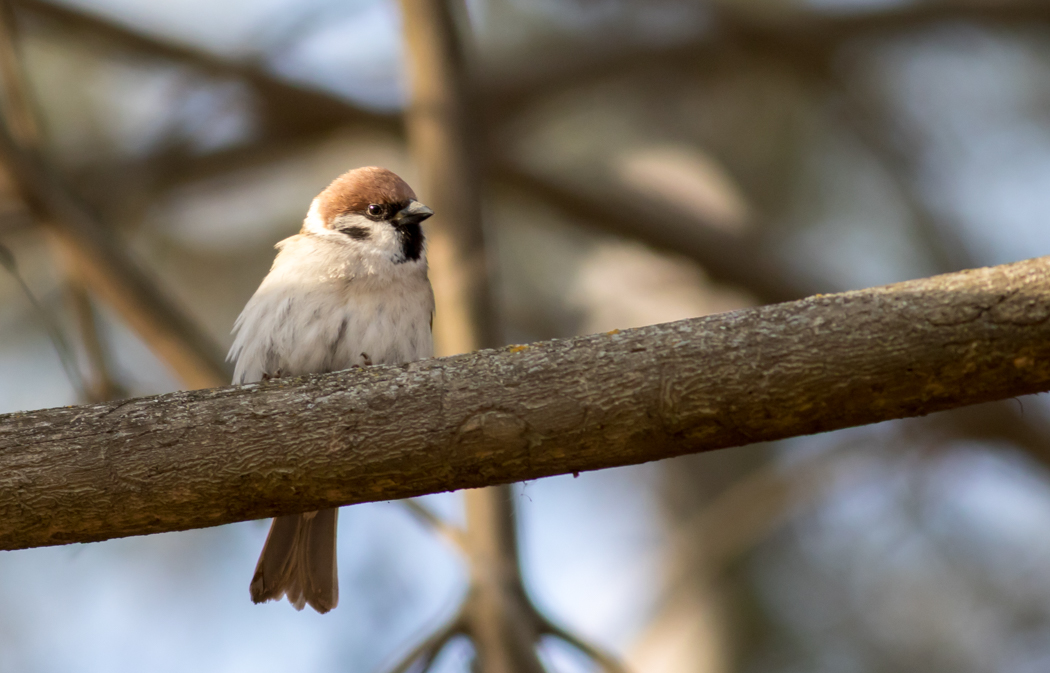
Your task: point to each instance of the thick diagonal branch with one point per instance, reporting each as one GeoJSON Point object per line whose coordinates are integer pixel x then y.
{"type": "Point", "coordinates": [203, 458]}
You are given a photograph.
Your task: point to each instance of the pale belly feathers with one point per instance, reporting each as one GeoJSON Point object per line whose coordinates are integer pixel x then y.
{"type": "Point", "coordinates": [334, 324]}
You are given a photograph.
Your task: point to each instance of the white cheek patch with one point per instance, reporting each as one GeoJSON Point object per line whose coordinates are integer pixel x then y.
{"type": "Point", "coordinates": [382, 240]}
{"type": "Point", "coordinates": [380, 245]}
{"type": "Point", "coordinates": [314, 223]}
{"type": "Point", "coordinates": [387, 242]}
{"type": "Point", "coordinates": [353, 226]}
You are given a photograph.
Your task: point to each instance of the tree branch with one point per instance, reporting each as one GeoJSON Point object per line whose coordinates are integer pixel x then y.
{"type": "Point", "coordinates": [440, 134]}
{"type": "Point", "coordinates": [103, 265]}
{"type": "Point", "coordinates": [452, 534]}
{"type": "Point", "coordinates": [203, 458]}
{"type": "Point", "coordinates": [100, 384]}
{"type": "Point", "coordinates": [289, 107]}
{"type": "Point", "coordinates": [439, 123]}
{"type": "Point", "coordinates": [605, 661]}
{"type": "Point", "coordinates": [19, 113]}
{"type": "Point", "coordinates": [736, 259]}
{"type": "Point", "coordinates": [426, 651]}
{"type": "Point", "coordinates": [93, 253]}
{"type": "Point", "coordinates": [809, 40]}
{"type": "Point", "coordinates": [805, 37]}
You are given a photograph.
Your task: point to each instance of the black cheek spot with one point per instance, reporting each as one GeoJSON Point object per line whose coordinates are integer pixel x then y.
{"type": "Point", "coordinates": [357, 233]}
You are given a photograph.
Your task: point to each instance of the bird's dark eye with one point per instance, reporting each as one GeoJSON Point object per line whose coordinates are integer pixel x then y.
{"type": "Point", "coordinates": [375, 210]}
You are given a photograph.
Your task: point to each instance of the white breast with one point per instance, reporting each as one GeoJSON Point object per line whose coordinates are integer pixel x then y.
{"type": "Point", "coordinates": [319, 310]}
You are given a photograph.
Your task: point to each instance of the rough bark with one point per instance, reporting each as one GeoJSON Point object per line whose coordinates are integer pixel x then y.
{"type": "Point", "coordinates": [203, 458]}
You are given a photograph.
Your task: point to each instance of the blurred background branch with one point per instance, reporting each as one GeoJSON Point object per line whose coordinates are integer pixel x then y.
{"type": "Point", "coordinates": [97, 257]}
{"type": "Point", "coordinates": [497, 615]}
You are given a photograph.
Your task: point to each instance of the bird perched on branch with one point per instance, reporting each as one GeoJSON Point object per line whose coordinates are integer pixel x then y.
{"type": "Point", "coordinates": [350, 289]}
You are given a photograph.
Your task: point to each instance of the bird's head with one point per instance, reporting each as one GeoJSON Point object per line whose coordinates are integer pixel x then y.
{"type": "Point", "coordinates": [373, 210]}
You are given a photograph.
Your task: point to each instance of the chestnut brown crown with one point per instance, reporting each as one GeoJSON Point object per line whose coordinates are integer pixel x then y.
{"type": "Point", "coordinates": [355, 190]}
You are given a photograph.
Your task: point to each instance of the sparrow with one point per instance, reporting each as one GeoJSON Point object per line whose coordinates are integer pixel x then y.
{"type": "Point", "coordinates": [350, 289]}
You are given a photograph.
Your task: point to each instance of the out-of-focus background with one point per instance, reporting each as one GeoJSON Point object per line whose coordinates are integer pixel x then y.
{"type": "Point", "coordinates": [641, 161]}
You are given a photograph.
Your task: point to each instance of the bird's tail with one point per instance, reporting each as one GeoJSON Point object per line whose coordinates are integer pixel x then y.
{"type": "Point", "coordinates": [298, 561]}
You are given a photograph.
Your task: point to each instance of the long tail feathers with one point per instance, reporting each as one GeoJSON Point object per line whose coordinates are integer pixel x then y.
{"type": "Point", "coordinates": [298, 561]}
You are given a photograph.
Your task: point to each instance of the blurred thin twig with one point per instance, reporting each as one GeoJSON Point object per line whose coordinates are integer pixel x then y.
{"type": "Point", "coordinates": [102, 385]}
{"type": "Point", "coordinates": [454, 535]}
{"type": "Point", "coordinates": [109, 271]}
{"type": "Point", "coordinates": [54, 331]}
{"type": "Point", "coordinates": [423, 654]}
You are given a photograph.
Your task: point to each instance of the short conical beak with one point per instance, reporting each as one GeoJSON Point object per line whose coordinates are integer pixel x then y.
{"type": "Point", "coordinates": [414, 213]}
